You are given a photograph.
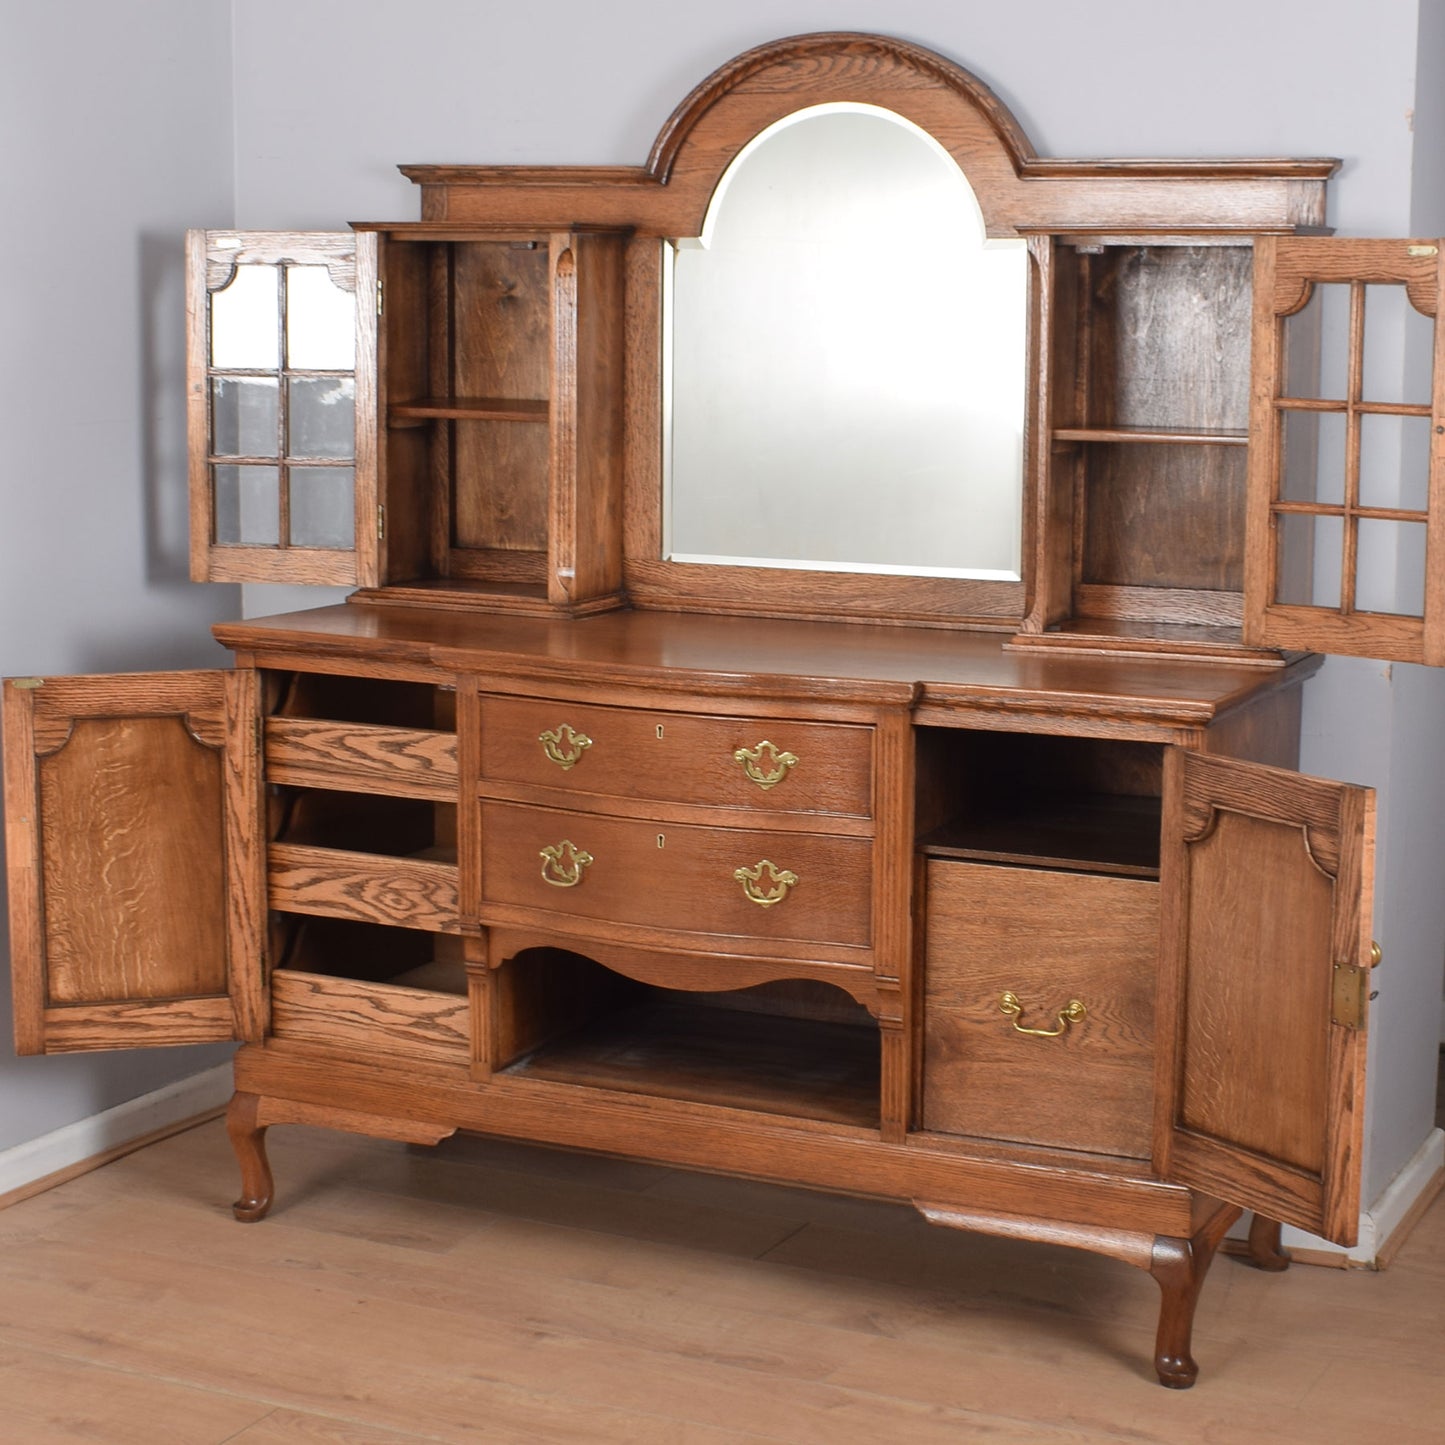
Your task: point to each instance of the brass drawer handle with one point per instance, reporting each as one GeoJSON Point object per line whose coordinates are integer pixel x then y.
{"type": "Point", "coordinates": [775, 771]}
{"type": "Point", "coordinates": [564, 745]}
{"type": "Point", "coordinates": [780, 881]}
{"type": "Point", "coordinates": [562, 863]}
{"type": "Point", "coordinates": [1072, 1013]}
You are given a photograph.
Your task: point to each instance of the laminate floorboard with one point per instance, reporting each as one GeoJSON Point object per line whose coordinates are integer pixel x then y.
{"type": "Point", "coordinates": [493, 1292]}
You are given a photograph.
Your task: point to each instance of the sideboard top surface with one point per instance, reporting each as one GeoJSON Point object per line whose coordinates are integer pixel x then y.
{"type": "Point", "coordinates": [719, 655]}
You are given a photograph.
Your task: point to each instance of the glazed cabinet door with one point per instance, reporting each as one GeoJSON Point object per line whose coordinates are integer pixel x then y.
{"type": "Point", "coordinates": [281, 407]}
{"type": "Point", "coordinates": [135, 866]}
{"type": "Point", "coordinates": [1266, 879]}
{"type": "Point", "coordinates": [1345, 546]}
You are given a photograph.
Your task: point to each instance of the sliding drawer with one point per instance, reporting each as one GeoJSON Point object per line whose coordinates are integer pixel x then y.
{"type": "Point", "coordinates": [1039, 1006]}
{"type": "Point", "coordinates": [774, 765]}
{"type": "Point", "coordinates": [362, 757]}
{"type": "Point", "coordinates": [743, 883]}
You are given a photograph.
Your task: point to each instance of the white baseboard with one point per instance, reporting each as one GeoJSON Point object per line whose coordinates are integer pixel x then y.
{"type": "Point", "coordinates": [74, 1143]}
{"type": "Point", "coordinates": [1379, 1222]}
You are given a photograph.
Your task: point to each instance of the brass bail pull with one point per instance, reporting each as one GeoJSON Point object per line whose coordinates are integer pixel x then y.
{"type": "Point", "coordinates": [1073, 1012]}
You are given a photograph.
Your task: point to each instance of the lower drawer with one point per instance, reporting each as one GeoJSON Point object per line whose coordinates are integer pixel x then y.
{"type": "Point", "coordinates": [740, 882]}
{"type": "Point", "coordinates": [1047, 939]}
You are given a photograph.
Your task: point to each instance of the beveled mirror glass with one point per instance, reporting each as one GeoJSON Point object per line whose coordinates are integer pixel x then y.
{"type": "Point", "coordinates": [848, 363]}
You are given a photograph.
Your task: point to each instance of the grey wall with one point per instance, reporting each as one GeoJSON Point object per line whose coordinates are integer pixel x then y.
{"type": "Point", "coordinates": [115, 134]}
{"type": "Point", "coordinates": [323, 111]}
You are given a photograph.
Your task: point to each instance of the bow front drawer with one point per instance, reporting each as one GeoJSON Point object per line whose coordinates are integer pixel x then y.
{"type": "Point", "coordinates": [765, 764]}
{"type": "Point", "coordinates": [672, 878]}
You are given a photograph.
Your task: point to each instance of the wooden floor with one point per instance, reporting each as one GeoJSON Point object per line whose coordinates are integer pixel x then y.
{"type": "Point", "coordinates": [485, 1292]}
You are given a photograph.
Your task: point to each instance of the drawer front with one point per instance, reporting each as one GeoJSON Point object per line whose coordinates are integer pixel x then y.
{"type": "Point", "coordinates": [786, 766]}
{"type": "Point", "coordinates": [410, 761]}
{"type": "Point", "coordinates": [803, 887]}
{"type": "Point", "coordinates": [1047, 939]}
{"type": "Point", "coordinates": [408, 892]}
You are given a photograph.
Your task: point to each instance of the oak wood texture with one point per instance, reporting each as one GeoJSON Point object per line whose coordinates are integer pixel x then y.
{"type": "Point", "coordinates": [125, 795]}
{"type": "Point", "coordinates": [679, 757]}
{"type": "Point", "coordinates": [361, 758]}
{"type": "Point", "coordinates": [675, 880]}
{"type": "Point", "coordinates": [1048, 938]}
{"type": "Point", "coordinates": [419, 1026]}
{"type": "Point", "coordinates": [1266, 884]}
{"type": "Point", "coordinates": [1287, 269]}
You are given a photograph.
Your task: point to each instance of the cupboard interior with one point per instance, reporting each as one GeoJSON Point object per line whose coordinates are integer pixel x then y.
{"type": "Point", "coordinates": [797, 1048]}
{"type": "Point", "coordinates": [1149, 431]}
{"type": "Point", "coordinates": [467, 394]}
{"type": "Point", "coordinates": [1086, 804]}
{"type": "Point", "coordinates": [365, 700]}
{"type": "Point", "coordinates": [342, 948]}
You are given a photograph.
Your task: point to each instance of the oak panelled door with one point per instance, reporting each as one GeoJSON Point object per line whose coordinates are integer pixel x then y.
{"type": "Point", "coordinates": [1342, 556]}
{"type": "Point", "coordinates": [136, 882]}
{"type": "Point", "coordinates": [1266, 882]}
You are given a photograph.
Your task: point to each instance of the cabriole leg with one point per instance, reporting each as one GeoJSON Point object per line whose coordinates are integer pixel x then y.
{"type": "Point", "coordinates": [1179, 1267]}
{"type": "Point", "coordinates": [1264, 1250]}
{"type": "Point", "coordinates": [248, 1139]}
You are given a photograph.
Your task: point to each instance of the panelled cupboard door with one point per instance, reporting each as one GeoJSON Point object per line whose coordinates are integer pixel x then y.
{"type": "Point", "coordinates": [133, 840]}
{"type": "Point", "coordinates": [281, 406]}
{"type": "Point", "coordinates": [1345, 546]}
{"type": "Point", "coordinates": [1264, 979]}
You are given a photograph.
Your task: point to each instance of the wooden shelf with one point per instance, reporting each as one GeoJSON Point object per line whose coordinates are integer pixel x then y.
{"type": "Point", "coordinates": [1165, 436]}
{"type": "Point", "coordinates": [469, 408]}
{"type": "Point", "coordinates": [709, 1055]}
{"type": "Point", "coordinates": [1086, 832]}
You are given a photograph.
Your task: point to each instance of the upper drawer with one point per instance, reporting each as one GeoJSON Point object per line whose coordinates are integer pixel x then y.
{"type": "Point", "coordinates": [772, 764]}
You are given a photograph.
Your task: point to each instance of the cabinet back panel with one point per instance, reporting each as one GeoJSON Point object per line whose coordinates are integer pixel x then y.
{"type": "Point", "coordinates": [501, 320]}
{"type": "Point", "coordinates": [499, 485]}
{"type": "Point", "coordinates": [1164, 516]}
{"type": "Point", "coordinates": [130, 810]}
{"type": "Point", "coordinates": [1168, 337]}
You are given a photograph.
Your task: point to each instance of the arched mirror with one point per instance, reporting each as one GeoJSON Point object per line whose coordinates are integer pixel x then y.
{"type": "Point", "coordinates": [847, 360]}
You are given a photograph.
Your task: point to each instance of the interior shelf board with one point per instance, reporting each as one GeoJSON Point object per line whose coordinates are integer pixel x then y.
{"type": "Point", "coordinates": [707, 1055]}
{"type": "Point", "coordinates": [1085, 832]}
{"type": "Point", "coordinates": [470, 408]}
{"type": "Point", "coordinates": [1176, 436]}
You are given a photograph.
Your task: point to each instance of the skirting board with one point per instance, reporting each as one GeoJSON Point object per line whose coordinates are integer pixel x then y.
{"type": "Point", "coordinates": [1385, 1225]}
{"type": "Point", "coordinates": [91, 1140]}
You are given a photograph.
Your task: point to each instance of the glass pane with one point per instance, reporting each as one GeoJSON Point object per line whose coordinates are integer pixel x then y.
{"type": "Point", "coordinates": [248, 506]}
{"type": "Point", "coordinates": [1393, 324]}
{"type": "Point", "coordinates": [1314, 457]}
{"type": "Point", "coordinates": [1310, 553]}
{"type": "Point", "coordinates": [1390, 571]}
{"type": "Point", "coordinates": [1317, 345]}
{"type": "Point", "coordinates": [835, 402]}
{"type": "Point", "coordinates": [244, 416]}
{"type": "Point", "coordinates": [244, 318]}
{"type": "Point", "coordinates": [323, 507]}
{"type": "Point", "coordinates": [320, 321]}
{"type": "Point", "coordinates": [1394, 461]}
{"type": "Point", "coordinates": [321, 416]}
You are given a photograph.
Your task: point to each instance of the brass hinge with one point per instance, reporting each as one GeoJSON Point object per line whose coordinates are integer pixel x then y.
{"type": "Point", "coordinates": [1350, 993]}
{"type": "Point", "coordinates": [1422, 250]}
{"type": "Point", "coordinates": [380, 522]}
{"type": "Point", "coordinates": [27, 682]}
{"type": "Point", "coordinates": [379, 298]}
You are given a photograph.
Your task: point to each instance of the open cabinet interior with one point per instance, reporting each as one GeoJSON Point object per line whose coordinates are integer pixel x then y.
{"type": "Point", "coordinates": [794, 1048]}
